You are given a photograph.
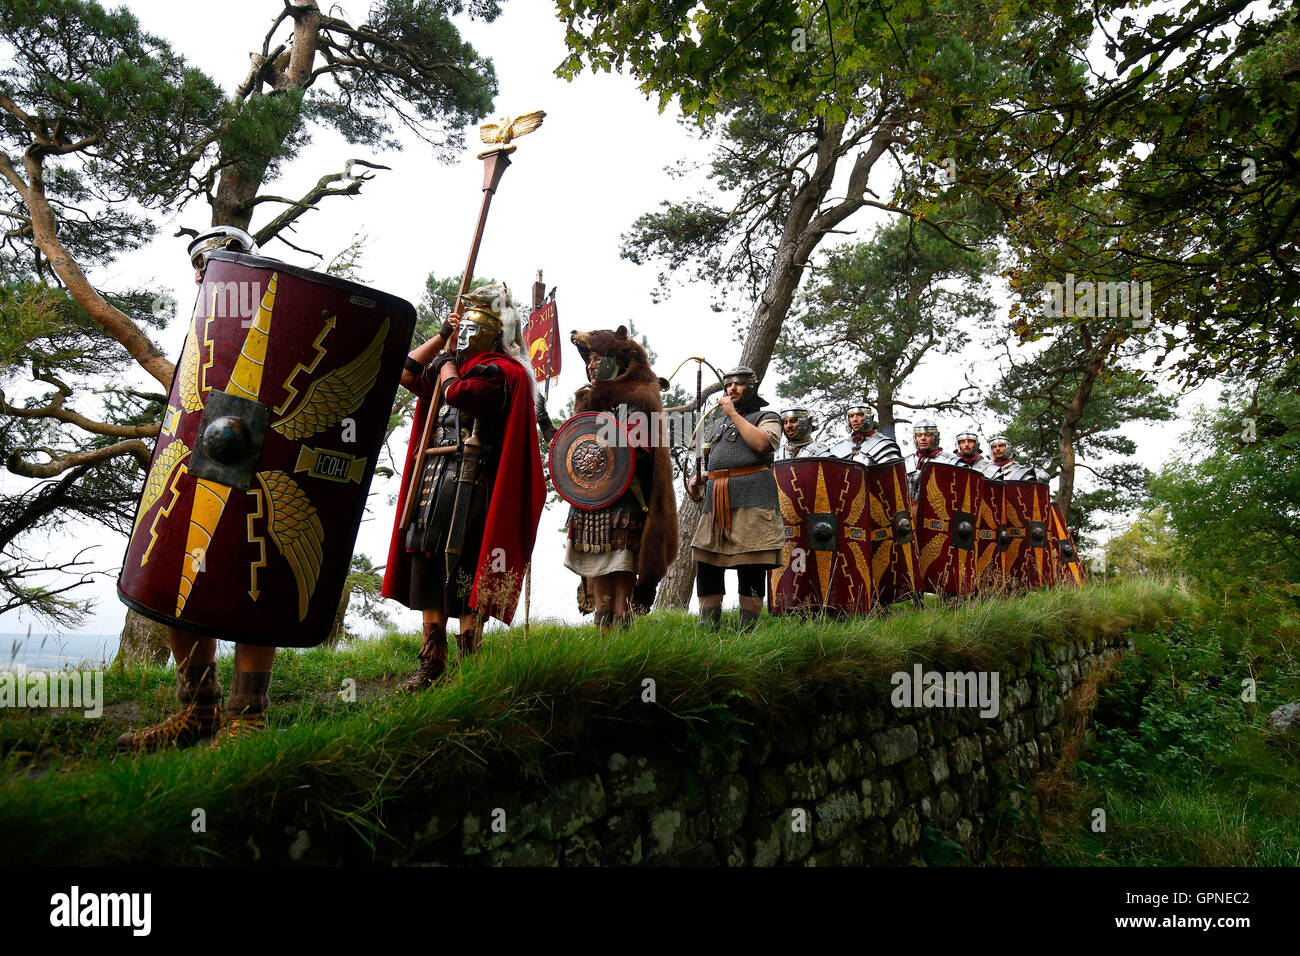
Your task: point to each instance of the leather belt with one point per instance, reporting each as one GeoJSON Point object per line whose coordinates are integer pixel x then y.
{"type": "Point", "coordinates": [722, 497]}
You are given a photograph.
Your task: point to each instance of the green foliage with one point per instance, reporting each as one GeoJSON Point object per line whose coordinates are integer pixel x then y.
{"type": "Point", "coordinates": [1148, 546]}
{"type": "Point", "coordinates": [511, 711]}
{"type": "Point", "coordinates": [364, 582]}
{"type": "Point", "coordinates": [1182, 159]}
{"type": "Point", "coordinates": [874, 311]}
{"type": "Point", "coordinates": [120, 95]}
{"type": "Point", "coordinates": [411, 66]}
{"type": "Point", "coordinates": [1087, 384]}
{"type": "Point", "coordinates": [1170, 710]}
{"type": "Point", "coordinates": [1184, 768]}
{"type": "Point", "coordinates": [1233, 502]}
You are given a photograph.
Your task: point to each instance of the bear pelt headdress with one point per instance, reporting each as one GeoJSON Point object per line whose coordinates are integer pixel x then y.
{"type": "Point", "coordinates": [636, 386]}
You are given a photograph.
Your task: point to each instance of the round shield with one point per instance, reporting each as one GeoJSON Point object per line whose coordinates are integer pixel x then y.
{"type": "Point", "coordinates": [592, 462]}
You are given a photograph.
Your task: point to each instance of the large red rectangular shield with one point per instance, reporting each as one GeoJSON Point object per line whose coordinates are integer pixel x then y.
{"type": "Point", "coordinates": [947, 512]}
{"type": "Point", "coordinates": [988, 569]}
{"type": "Point", "coordinates": [826, 563]}
{"type": "Point", "coordinates": [1063, 557]}
{"type": "Point", "coordinates": [894, 555]}
{"type": "Point", "coordinates": [274, 421]}
{"type": "Point", "coordinates": [1022, 532]}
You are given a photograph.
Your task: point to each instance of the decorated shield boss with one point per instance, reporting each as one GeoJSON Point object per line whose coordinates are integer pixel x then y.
{"type": "Point", "coordinates": [592, 462]}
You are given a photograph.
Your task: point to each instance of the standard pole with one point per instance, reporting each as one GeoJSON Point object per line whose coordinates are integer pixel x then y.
{"type": "Point", "coordinates": [494, 166]}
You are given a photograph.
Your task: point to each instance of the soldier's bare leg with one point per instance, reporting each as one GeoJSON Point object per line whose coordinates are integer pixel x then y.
{"type": "Point", "coordinates": [250, 691]}
{"type": "Point", "coordinates": [622, 584]}
{"type": "Point", "coordinates": [709, 585]}
{"type": "Point", "coordinates": [602, 595]}
{"type": "Point", "coordinates": [198, 691]}
{"type": "Point", "coordinates": [752, 583]}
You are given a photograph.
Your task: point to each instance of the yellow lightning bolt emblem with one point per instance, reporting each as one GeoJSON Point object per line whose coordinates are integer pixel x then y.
{"type": "Point", "coordinates": [260, 540]}
{"type": "Point", "coordinates": [163, 512]}
{"type": "Point", "coordinates": [210, 496]}
{"type": "Point", "coordinates": [290, 392]}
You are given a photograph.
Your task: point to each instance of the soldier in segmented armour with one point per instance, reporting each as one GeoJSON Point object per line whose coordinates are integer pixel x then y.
{"type": "Point", "coordinates": [968, 448]}
{"type": "Point", "coordinates": [865, 445]}
{"type": "Point", "coordinates": [1006, 465]}
{"type": "Point", "coordinates": [741, 524]}
{"type": "Point", "coordinates": [798, 424]}
{"type": "Point", "coordinates": [925, 435]}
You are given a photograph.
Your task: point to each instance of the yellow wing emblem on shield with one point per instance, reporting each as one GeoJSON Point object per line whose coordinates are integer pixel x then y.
{"type": "Point", "coordinates": [159, 474]}
{"type": "Point", "coordinates": [937, 500]}
{"type": "Point", "coordinates": [334, 396]}
{"type": "Point", "coordinates": [191, 396]}
{"type": "Point", "coordinates": [296, 530]}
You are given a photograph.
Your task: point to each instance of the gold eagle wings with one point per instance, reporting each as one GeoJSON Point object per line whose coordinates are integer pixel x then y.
{"type": "Point", "coordinates": [296, 530]}
{"type": "Point", "coordinates": [507, 128]}
{"type": "Point", "coordinates": [335, 395]}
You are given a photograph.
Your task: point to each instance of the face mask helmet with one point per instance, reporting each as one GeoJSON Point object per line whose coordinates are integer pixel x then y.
{"type": "Point", "coordinates": [480, 325]}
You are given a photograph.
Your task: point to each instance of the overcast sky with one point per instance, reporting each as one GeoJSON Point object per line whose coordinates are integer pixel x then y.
{"type": "Point", "coordinates": [574, 187]}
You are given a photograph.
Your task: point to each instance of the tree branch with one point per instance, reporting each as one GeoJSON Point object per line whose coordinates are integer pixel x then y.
{"type": "Point", "coordinates": [45, 232]}
{"type": "Point", "coordinates": [308, 202]}
{"type": "Point", "coordinates": [57, 465]}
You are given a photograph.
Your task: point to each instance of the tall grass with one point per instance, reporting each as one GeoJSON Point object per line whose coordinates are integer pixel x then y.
{"type": "Point", "coordinates": [513, 711]}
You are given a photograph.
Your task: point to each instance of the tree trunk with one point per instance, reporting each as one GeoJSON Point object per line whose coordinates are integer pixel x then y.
{"type": "Point", "coordinates": [232, 203]}
{"type": "Point", "coordinates": [885, 407]}
{"type": "Point", "coordinates": [1070, 425]}
{"type": "Point", "coordinates": [143, 643]}
{"type": "Point", "coordinates": [675, 588]}
{"type": "Point", "coordinates": [336, 629]}
{"type": "Point", "coordinates": [805, 227]}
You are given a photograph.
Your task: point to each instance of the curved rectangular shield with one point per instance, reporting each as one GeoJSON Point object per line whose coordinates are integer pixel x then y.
{"type": "Point", "coordinates": [273, 425]}
{"type": "Point", "coordinates": [1022, 533]}
{"type": "Point", "coordinates": [826, 563]}
{"type": "Point", "coordinates": [894, 555]}
{"type": "Point", "coordinates": [1063, 556]}
{"type": "Point", "coordinates": [947, 511]}
{"type": "Point", "coordinates": [988, 569]}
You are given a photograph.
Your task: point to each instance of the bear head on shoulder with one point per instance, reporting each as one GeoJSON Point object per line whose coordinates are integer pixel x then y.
{"type": "Point", "coordinates": [635, 384]}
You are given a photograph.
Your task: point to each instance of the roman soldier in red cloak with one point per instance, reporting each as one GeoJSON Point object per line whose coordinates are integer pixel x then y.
{"type": "Point", "coordinates": [469, 539]}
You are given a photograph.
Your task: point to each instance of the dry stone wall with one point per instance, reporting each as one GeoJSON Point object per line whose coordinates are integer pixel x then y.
{"type": "Point", "coordinates": [851, 775]}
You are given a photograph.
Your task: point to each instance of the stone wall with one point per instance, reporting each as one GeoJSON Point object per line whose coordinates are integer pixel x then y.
{"type": "Point", "coordinates": [840, 777]}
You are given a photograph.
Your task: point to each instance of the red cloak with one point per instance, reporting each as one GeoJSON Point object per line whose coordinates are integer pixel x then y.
{"type": "Point", "coordinates": [513, 512]}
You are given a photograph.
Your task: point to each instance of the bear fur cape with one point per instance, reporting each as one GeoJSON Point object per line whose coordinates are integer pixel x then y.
{"type": "Point", "coordinates": [637, 386]}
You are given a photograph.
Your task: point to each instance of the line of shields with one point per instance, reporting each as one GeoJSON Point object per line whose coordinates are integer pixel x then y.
{"type": "Point", "coordinates": [854, 539]}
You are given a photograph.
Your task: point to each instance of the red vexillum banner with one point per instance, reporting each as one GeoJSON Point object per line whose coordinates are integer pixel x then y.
{"type": "Point", "coordinates": [542, 338]}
